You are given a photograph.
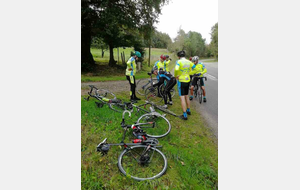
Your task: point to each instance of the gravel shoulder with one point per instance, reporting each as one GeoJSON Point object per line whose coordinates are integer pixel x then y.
{"type": "Point", "coordinates": [113, 86]}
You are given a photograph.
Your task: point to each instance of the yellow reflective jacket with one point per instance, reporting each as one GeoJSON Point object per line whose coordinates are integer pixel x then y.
{"type": "Point", "coordinates": [131, 65]}
{"type": "Point", "coordinates": [166, 65]}
{"type": "Point", "coordinates": [182, 69]}
{"type": "Point", "coordinates": [199, 69]}
{"type": "Point", "coordinates": [159, 64]}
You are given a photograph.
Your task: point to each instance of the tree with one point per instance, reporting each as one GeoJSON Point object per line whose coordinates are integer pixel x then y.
{"type": "Point", "coordinates": [88, 17]}
{"type": "Point", "coordinates": [214, 40]}
{"type": "Point", "coordinates": [160, 40]}
{"type": "Point", "coordinates": [194, 44]}
{"type": "Point", "coordinates": [117, 21]}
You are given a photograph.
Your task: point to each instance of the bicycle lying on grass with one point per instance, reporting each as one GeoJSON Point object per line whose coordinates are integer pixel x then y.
{"type": "Point", "coordinates": [140, 160]}
{"type": "Point", "coordinates": [120, 107]}
{"type": "Point", "coordinates": [104, 96]}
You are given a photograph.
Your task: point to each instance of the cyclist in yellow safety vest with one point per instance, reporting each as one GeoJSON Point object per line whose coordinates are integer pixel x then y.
{"type": "Point", "coordinates": [166, 63]}
{"type": "Point", "coordinates": [198, 71]}
{"type": "Point", "coordinates": [130, 72]}
{"type": "Point", "coordinates": [160, 65]}
{"type": "Point", "coordinates": [182, 69]}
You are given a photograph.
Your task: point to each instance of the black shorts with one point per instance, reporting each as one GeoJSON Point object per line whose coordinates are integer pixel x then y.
{"type": "Point", "coordinates": [183, 88]}
{"type": "Point", "coordinates": [195, 79]}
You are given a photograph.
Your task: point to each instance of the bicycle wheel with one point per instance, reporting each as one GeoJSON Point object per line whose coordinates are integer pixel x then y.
{"type": "Point", "coordinates": [162, 125]}
{"type": "Point", "coordinates": [196, 91]}
{"type": "Point", "coordinates": [117, 107]}
{"type": "Point", "coordinates": [162, 88]}
{"type": "Point", "coordinates": [141, 164]}
{"type": "Point", "coordinates": [142, 84]}
{"type": "Point", "coordinates": [200, 94]}
{"type": "Point", "coordinates": [152, 95]}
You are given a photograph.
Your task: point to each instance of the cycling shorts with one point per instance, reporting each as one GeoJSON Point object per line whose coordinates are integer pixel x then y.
{"type": "Point", "coordinates": [195, 79]}
{"type": "Point", "coordinates": [183, 88]}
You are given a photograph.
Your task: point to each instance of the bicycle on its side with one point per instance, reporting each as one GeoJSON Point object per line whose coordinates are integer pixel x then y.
{"type": "Point", "coordinates": [140, 160]}
{"type": "Point", "coordinates": [121, 106]}
{"type": "Point", "coordinates": [104, 96]}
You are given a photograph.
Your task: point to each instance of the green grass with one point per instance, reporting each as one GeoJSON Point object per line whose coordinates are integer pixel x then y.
{"type": "Point", "coordinates": [213, 60]}
{"type": "Point", "coordinates": [190, 149]}
{"type": "Point", "coordinates": [105, 73]}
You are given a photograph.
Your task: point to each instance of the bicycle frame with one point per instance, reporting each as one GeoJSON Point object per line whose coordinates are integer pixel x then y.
{"type": "Point", "coordinates": [98, 97]}
{"type": "Point", "coordinates": [153, 106]}
{"type": "Point", "coordinates": [135, 141]}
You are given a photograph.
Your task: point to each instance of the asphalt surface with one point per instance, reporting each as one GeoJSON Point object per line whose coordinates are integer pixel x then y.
{"type": "Point", "coordinates": [209, 109]}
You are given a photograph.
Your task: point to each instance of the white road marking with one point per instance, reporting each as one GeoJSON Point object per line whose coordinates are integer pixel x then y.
{"type": "Point", "coordinates": [211, 77]}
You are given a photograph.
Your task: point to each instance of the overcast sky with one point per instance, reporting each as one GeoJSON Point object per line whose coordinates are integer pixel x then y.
{"type": "Point", "coordinates": [192, 15]}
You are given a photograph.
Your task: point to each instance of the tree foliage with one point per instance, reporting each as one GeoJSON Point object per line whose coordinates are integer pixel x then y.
{"type": "Point", "coordinates": [191, 42]}
{"type": "Point", "coordinates": [214, 41]}
{"type": "Point", "coordinates": [117, 22]}
{"type": "Point", "coordinates": [161, 40]}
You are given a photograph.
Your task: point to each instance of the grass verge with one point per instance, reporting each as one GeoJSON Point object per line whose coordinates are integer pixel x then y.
{"type": "Point", "coordinates": [190, 149]}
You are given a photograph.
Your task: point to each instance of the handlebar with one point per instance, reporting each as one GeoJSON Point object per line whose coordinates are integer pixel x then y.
{"type": "Point", "coordinates": [103, 142]}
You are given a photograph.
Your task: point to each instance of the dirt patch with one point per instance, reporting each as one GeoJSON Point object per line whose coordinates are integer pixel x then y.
{"type": "Point", "coordinates": [113, 86]}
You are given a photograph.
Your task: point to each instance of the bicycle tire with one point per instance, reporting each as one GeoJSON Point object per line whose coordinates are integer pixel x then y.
{"type": "Point", "coordinates": [196, 90]}
{"type": "Point", "coordinates": [162, 88]}
{"type": "Point", "coordinates": [152, 96]}
{"type": "Point", "coordinates": [200, 94]}
{"type": "Point", "coordinates": [125, 162]}
{"type": "Point", "coordinates": [162, 125]}
{"type": "Point", "coordinates": [117, 107]}
{"type": "Point", "coordinates": [142, 84]}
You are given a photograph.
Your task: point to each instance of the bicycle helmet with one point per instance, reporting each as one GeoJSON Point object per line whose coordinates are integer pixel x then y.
{"type": "Point", "coordinates": [167, 56]}
{"type": "Point", "coordinates": [163, 57]}
{"type": "Point", "coordinates": [195, 58]}
{"type": "Point", "coordinates": [155, 68]}
{"type": "Point", "coordinates": [138, 54]}
{"type": "Point", "coordinates": [181, 53]}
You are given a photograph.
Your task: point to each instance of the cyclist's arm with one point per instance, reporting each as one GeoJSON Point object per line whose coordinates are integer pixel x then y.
{"type": "Point", "coordinates": [129, 64]}
{"type": "Point", "coordinates": [176, 71]}
{"type": "Point", "coordinates": [204, 70]}
{"type": "Point", "coordinates": [167, 66]}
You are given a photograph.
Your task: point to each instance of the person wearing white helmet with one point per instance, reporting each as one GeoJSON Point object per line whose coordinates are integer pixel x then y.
{"type": "Point", "coordinates": [198, 73]}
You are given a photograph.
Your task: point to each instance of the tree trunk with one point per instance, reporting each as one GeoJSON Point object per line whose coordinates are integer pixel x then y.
{"type": "Point", "coordinates": [102, 53]}
{"type": "Point", "coordinates": [87, 60]}
{"type": "Point", "coordinates": [112, 62]}
{"type": "Point", "coordinates": [149, 54]}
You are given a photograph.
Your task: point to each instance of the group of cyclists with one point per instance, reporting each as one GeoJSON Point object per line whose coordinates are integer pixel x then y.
{"type": "Point", "coordinates": [186, 74]}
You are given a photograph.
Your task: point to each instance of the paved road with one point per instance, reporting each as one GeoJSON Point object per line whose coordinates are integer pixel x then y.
{"type": "Point", "coordinates": [209, 109]}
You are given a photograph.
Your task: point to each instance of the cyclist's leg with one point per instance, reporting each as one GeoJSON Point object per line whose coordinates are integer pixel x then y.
{"type": "Point", "coordinates": [168, 88]}
{"type": "Point", "coordinates": [128, 78]}
{"type": "Point", "coordinates": [134, 86]}
{"type": "Point", "coordinates": [131, 80]}
{"type": "Point", "coordinates": [194, 83]}
{"type": "Point", "coordinates": [202, 86]}
{"type": "Point", "coordinates": [182, 99]}
{"type": "Point", "coordinates": [185, 104]}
